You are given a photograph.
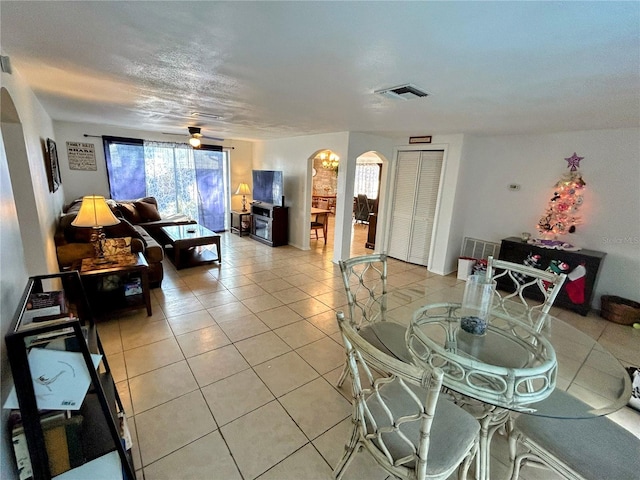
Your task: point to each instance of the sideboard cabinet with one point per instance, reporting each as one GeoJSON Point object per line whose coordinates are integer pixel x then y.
{"type": "Point", "coordinates": [582, 267]}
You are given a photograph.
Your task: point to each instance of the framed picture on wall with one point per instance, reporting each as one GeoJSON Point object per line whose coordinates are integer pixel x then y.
{"type": "Point", "coordinates": [53, 168]}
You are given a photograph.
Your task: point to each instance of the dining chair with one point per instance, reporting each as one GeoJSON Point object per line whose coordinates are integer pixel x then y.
{"type": "Point", "coordinates": [323, 203]}
{"type": "Point", "coordinates": [400, 419]}
{"type": "Point", "coordinates": [579, 449]}
{"type": "Point", "coordinates": [365, 283]}
{"type": "Point", "coordinates": [534, 288]}
{"type": "Point", "coordinates": [320, 222]}
{"type": "Point", "coordinates": [362, 209]}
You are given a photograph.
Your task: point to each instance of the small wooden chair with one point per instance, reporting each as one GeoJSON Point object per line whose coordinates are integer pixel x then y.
{"type": "Point", "coordinates": [320, 222]}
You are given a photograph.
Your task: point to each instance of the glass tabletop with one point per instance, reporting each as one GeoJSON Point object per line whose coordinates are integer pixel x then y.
{"type": "Point", "coordinates": [583, 368]}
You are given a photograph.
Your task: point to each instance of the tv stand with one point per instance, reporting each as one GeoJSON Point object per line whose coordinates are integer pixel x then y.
{"type": "Point", "coordinates": [270, 224]}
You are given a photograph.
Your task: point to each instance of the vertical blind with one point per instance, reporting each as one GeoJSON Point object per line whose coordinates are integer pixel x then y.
{"type": "Point", "coordinates": [183, 180]}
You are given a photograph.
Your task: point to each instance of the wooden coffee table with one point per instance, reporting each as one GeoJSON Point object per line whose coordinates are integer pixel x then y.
{"type": "Point", "coordinates": [189, 244]}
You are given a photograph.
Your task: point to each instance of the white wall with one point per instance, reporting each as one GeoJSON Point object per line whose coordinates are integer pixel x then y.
{"type": "Point", "coordinates": [24, 140]}
{"type": "Point", "coordinates": [294, 157]}
{"type": "Point", "coordinates": [611, 210]}
{"type": "Point", "coordinates": [24, 126]}
{"type": "Point", "coordinates": [79, 183]}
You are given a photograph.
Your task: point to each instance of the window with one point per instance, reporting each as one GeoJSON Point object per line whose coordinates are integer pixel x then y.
{"type": "Point", "coordinates": [367, 180]}
{"type": "Point", "coordinates": [183, 180]}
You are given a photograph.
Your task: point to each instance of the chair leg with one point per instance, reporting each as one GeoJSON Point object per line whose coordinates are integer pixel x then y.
{"type": "Point", "coordinates": [343, 376]}
{"type": "Point", "coordinates": [350, 450]}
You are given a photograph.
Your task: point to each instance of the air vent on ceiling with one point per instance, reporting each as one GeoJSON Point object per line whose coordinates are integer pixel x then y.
{"type": "Point", "coordinates": [404, 92]}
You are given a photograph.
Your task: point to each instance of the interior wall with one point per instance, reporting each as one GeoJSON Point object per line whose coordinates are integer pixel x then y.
{"type": "Point", "coordinates": [447, 239]}
{"type": "Point", "coordinates": [79, 183]}
{"type": "Point", "coordinates": [611, 210]}
{"type": "Point", "coordinates": [37, 207]}
{"type": "Point", "coordinates": [294, 157]}
{"type": "Point", "coordinates": [22, 130]}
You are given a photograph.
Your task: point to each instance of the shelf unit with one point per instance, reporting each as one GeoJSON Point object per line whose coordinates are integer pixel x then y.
{"type": "Point", "coordinates": [103, 419]}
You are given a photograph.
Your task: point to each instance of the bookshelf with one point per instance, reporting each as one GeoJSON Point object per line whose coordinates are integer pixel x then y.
{"type": "Point", "coordinates": [66, 412]}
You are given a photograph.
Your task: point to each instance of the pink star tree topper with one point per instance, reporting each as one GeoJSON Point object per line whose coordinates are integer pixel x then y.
{"type": "Point", "coordinates": [573, 162]}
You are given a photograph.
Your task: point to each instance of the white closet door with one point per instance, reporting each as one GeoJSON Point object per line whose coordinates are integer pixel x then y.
{"type": "Point", "coordinates": [425, 206]}
{"type": "Point", "coordinates": [403, 200]}
{"type": "Point", "coordinates": [414, 204]}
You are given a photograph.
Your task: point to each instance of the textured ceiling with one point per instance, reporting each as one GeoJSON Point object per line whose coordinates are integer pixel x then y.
{"type": "Point", "coordinates": [281, 69]}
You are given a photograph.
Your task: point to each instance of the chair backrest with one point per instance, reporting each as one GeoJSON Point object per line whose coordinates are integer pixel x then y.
{"type": "Point", "coordinates": [323, 203]}
{"type": "Point", "coordinates": [362, 208]}
{"type": "Point", "coordinates": [534, 288]}
{"type": "Point", "coordinates": [365, 283]}
{"type": "Point", "coordinates": [382, 425]}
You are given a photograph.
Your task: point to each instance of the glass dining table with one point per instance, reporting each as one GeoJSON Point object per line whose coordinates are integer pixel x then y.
{"type": "Point", "coordinates": [519, 365]}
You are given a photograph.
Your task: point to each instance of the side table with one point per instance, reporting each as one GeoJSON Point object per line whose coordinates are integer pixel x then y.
{"type": "Point", "coordinates": [237, 227]}
{"type": "Point", "coordinates": [132, 268]}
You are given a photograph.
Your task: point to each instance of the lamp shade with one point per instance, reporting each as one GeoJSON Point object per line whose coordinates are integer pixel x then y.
{"type": "Point", "coordinates": [94, 212]}
{"type": "Point", "coordinates": [243, 189]}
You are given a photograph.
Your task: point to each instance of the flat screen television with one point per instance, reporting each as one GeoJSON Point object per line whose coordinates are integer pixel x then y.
{"type": "Point", "coordinates": [268, 187]}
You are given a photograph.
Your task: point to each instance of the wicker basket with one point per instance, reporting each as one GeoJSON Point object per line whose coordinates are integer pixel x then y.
{"type": "Point", "coordinates": [619, 310]}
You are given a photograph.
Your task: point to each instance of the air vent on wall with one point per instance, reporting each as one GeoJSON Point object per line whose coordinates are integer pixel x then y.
{"type": "Point", "coordinates": [404, 92]}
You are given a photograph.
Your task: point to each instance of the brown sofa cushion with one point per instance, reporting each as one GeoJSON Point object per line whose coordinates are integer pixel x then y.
{"type": "Point", "coordinates": [148, 211]}
{"type": "Point", "coordinates": [129, 212]}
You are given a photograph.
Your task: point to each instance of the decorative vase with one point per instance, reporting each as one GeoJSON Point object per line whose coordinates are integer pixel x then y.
{"type": "Point", "coordinates": [476, 304]}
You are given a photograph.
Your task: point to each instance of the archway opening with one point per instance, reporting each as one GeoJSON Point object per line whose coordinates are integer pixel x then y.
{"type": "Point", "coordinates": [367, 196]}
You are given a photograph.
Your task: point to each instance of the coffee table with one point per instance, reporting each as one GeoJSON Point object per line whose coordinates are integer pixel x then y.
{"type": "Point", "coordinates": [189, 244]}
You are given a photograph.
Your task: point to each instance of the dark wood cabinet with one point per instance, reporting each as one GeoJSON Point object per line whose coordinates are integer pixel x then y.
{"type": "Point", "coordinates": [576, 293]}
{"type": "Point", "coordinates": [371, 234]}
{"type": "Point", "coordinates": [270, 224]}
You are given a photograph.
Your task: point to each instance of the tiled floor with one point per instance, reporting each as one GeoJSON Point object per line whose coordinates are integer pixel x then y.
{"type": "Point", "coordinates": [233, 376]}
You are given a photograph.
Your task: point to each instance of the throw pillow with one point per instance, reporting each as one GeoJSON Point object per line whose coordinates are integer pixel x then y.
{"type": "Point", "coordinates": [129, 212]}
{"type": "Point", "coordinates": [148, 211]}
{"type": "Point", "coordinates": [117, 246]}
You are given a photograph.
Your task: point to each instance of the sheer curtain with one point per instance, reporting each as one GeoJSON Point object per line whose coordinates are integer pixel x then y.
{"type": "Point", "coordinates": [367, 180]}
{"type": "Point", "coordinates": [183, 180]}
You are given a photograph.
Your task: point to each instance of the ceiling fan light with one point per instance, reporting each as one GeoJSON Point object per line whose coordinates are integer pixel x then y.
{"type": "Point", "coordinates": [195, 142]}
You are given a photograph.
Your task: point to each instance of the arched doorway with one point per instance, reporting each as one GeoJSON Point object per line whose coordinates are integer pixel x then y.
{"type": "Point", "coordinates": [368, 202]}
{"type": "Point", "coordinates": [324, 194]}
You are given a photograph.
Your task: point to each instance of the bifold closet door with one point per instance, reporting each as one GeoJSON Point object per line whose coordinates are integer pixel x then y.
{"type": "Point", "coordinates": [414, 205]}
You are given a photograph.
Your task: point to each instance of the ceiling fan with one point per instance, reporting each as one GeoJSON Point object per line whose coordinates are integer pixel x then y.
{"type": "Point", "coordinates": [196, 136]}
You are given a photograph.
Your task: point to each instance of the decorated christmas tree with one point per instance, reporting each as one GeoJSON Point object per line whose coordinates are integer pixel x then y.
{"type": "Point", "coordinates": [561, 215]}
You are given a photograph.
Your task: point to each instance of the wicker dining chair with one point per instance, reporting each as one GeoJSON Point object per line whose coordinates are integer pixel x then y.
{"type": "Point", "coordinates": [533, 288]}
{"type": "Point", "coordinates": [577, 449]}
{"type": "Point", "coordinates": [400, 419]}
{"type": "Point", "coordinates": [365, 283]}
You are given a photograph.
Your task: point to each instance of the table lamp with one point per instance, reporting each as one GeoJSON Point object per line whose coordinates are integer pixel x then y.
{"type": "Point", "coordinates": [95, 213]}
{"type": "Point", "coordinates": [243, 189]}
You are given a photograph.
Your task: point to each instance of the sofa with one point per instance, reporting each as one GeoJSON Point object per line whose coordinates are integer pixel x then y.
{"type": "Point", "coordinates": [139, 219]}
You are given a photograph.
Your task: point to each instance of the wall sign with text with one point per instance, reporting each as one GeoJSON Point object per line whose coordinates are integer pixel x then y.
{"type": "Point", "coordinates": [82, 156]}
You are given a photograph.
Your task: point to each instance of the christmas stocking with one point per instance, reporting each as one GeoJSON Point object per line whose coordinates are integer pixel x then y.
{"type": "Point", "coordinates": [576, 284]}
{"type": "Point", "coordinates": [531, 261]}
{"type": "Point", "coordinates": [556, 266]}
